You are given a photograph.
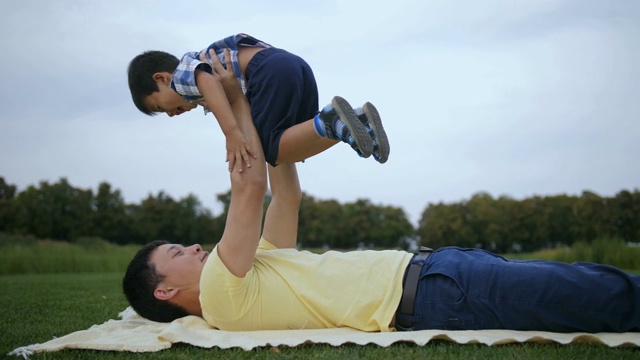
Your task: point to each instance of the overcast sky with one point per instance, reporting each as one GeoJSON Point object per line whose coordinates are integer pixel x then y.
{"type": "Point", "coordinates": [513, 97]}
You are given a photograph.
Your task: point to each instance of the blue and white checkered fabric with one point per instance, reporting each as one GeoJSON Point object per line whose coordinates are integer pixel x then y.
{"type": "Point", "coordinates": [184, 79]}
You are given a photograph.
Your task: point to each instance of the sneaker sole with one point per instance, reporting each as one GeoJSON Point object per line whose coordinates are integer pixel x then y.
{"type": "Point", "coordinates": [375, 123]}
{"type": "Point", "coordinates": [356, 127]}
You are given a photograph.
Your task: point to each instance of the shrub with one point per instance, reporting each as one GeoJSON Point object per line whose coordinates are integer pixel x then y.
{"type": "Point", "coordinates": [609, 251]}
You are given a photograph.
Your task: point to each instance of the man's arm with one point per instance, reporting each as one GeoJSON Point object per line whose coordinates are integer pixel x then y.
{"type": "Point", "coordinates": [239, 241]}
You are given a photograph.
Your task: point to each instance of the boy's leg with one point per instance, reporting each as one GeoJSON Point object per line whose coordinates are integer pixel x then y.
{"type": "Point", "coordinates": [283, 95]}
{"type": "Point", "coordinates": [281, 220]}
{"type": "Point", "coordinates": [301, 142]}
{"type": "Point", "coordinates": [338, 121]}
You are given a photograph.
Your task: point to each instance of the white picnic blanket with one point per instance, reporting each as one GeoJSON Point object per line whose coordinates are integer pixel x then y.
{"type": "Point", "coordinates": [136, 334]}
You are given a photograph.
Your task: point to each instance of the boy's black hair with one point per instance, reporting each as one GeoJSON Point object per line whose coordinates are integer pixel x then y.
{"type": "Point", "coordinates": [139, 283]}
{"type": "Point", "coordinates": [141, 70]}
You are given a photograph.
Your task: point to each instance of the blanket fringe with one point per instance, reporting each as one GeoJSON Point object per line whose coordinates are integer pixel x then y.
{"type": "Point", "coordinates": [128, 313]}
{"type": "Point", "coordinates": [24, 351]}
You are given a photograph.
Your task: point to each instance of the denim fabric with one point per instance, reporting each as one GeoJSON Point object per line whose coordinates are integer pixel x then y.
{"type": "Point", "coordinates": [471, 289]}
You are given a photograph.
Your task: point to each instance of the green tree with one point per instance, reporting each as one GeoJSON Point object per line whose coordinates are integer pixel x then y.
{"type": "Point", "coordinates": [486, 220]}
{"type": "Point", "coordinates": [627, 219]}
{"type": "Point", "coordinates": [193, 222]}
{"type": "Point", "coordinates": [592, 216]}
{"type": "Point", "coordinates": [152, 219]}
{"type": "Point", "coordinates": [357, 224]}
{"type": "Point", "coordinates": [58, 211]}
{"type": "Point", "coordinates": [110, 220]}
{"type": "Point", "coordinates": [392, 226]}
{"type": "Point", "coordinates": [443, 225]}
{"type": "Point", "coordinates": [317, 224]}
{"type": "Point", "coordinates": [523, 225]}
{"type": "Point", "coordinates": [328, 223]}
{"type": "Point", "coordinates": [560, 223]}
{"type": "Point", "coordinates": [7, 194]}
{"type": "Point", "coordinates": [184, 221]}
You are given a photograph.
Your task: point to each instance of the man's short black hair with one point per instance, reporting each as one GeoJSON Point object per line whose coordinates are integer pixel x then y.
{"type": "Point", "coordinates": [141, 70]}
{"type": "Point", "coordinates": [139, 283]}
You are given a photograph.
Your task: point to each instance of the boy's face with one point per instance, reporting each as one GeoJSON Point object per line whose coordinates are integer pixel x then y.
{"type": "Point", "coordinates": [165, 99]}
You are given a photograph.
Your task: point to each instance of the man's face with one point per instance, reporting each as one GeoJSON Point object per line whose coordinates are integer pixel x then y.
{"type": "Point", "coordinates": [168, 101]}
{"type": "Point", "coordinates": [181, 266]}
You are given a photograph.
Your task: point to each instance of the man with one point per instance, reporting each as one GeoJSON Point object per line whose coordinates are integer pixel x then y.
{"type": "Point", "coordinates": [249, 283]}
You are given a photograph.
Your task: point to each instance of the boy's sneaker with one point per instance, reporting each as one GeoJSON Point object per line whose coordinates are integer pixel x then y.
{"type": "Point", "coordinates": [341, 123]}
{"type": "Point", "coordinates": [369, 116]}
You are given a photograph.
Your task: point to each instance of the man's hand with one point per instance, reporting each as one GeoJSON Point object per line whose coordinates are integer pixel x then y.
{"type": "Point", "coordinates": [226, 77]}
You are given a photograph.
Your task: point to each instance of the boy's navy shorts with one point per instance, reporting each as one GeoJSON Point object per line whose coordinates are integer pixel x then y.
{"type": "Point", "coordinates": [282, 92]}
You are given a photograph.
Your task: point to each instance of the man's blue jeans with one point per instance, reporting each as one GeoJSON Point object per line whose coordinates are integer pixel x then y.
{"type": "Point", "coordinates": [471, 289]}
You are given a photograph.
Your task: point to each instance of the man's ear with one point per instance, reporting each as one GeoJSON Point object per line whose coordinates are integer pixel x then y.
{"type": "Point", "coordinates": [162, 77]}
{"type": "Point", "coordinates": [165, 294]}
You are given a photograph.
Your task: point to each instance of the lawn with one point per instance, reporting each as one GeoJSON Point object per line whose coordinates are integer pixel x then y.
{"type": "Point", "coordinates": [37, 307]}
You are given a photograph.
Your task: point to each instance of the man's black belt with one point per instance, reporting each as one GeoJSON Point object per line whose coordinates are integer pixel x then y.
{"type": "Point", "coordinates": [410, 288]}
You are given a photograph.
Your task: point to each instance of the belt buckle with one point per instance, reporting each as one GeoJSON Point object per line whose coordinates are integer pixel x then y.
{"type": "Point", "coordinates": [409, 289]}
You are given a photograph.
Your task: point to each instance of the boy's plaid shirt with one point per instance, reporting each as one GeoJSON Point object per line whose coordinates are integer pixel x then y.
{"type": "Point", "coordinates": [184, 77]}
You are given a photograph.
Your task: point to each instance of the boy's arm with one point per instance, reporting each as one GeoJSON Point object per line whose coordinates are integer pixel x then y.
{"type": "Point", "coordinates": [238, 149]}
{"type": "Point", "coordinates": [239, 241]}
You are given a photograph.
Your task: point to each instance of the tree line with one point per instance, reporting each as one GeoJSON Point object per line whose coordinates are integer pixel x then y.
{"type": "Point", "coordinates": [60, 211]}
{"type": "Point", "coordinates": [505, 224]}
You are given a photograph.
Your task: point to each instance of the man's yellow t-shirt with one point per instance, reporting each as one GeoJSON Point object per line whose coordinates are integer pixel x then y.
{"type": "Point", "coordinates": [291, 289]}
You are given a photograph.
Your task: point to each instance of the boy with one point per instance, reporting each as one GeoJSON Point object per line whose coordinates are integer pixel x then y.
{"type": "Point", "coordinates": [282, 93]}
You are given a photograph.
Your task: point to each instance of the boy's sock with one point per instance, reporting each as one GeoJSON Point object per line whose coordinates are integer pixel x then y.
{"type": "Point", "coordinates": [325, 129]}
{"type": "Point", "coordinates": [370, 117]}
{"type": "Point", "coordinates": [338, 121]}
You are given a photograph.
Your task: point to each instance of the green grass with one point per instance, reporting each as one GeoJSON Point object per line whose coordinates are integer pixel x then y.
{"type": "Point", "coordinates": [54, 288]}
{"type": "Point", "coordinates": [48, 257]}
{"type": "Point", "coordinates": [603, 251]}
{"type": "Point", "coordinates": [37, 307]}
{"type": "Point", "coordinates": [27, 255]}
{"type": "Point", "coordinates": [59, 257]}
